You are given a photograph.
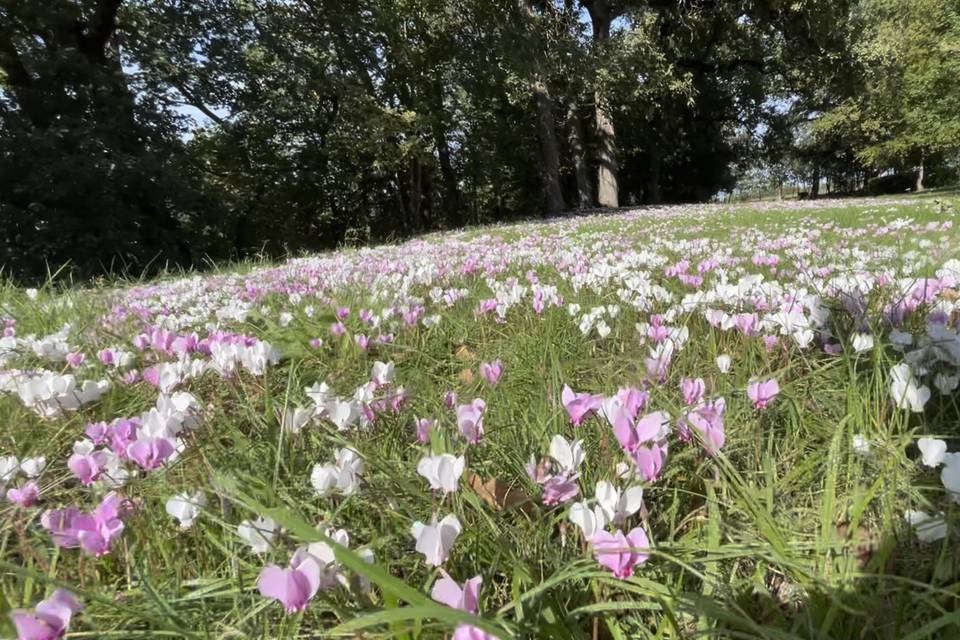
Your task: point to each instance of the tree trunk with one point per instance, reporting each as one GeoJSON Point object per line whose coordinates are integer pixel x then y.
{"type": "Point", "coordinates": [919, 186]}
{"type": "Point", "coordinates": [780, 189]}
{"type": "Point", "coordinates": [652, 195]}
{"type": "Point", "coordinates": [451, 191]}
{"type": "Point", "coordinates": [607, 186]}
{"type": "Point", "coordinates": [549, 151]}
{"type": "Point", "coordinates": [815, 182]}
{"type": "Point", "coordinates": [578, 150]}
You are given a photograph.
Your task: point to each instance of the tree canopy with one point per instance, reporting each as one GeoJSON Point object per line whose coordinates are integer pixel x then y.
{"type": "Point", "coordinates": [136, 133]}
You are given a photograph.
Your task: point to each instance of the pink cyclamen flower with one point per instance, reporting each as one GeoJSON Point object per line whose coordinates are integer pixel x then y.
{"type": "Point", "coordinates": [152, 376]}
{"type": "Point", "coordinates": [424, 425]}
{"type": "Point", "coordinates": [763, 392]}
{"type": "Point", "coordinates": [692, 390]}
{"type": "Point", "coordinates": [87, 467]}
{"type": "Point", "coordinates": [579, 405]}
{"type": "Point", "coordinates": [450, 399]}
{"type": "Point", "coordinates": [647, 428]}
{"type": "Point", "coordinates": [491, 371]}
{"type": "Point", "coordinates": [94, 532]}
{"type": "Point", "coordinates": [465, 598]}
{"type": "Point", "coordinates": [294, 586]}
{"type": "Point", "coordinates": [75, 359]}
{"type": "Point", "coordinates": [470, 420]}
{"type": "Point", "coordinates": [343, 313]}
{"type": "Point", "coordinates": [25, 496]}
{"type": "Point", "coordinates": [337, 329]}
{"type": "Point", "coordinates": [362, 341]}
{"type": "Point", "coordinates": [770, 342]}
{"type": "Point", "coordinates": [708, 420]}
{"type": "Point", "coordinates": [560, 489]}
{"type": "Point", "coordinates": [649, 460]}
{"type": "Point", "coordinates": [98, 432]}
{"type": "Point", "coordinates": [316, 343]}
{"type": "Point", "coordinates": [151, 453]}
{"type": "Point", "coordinates": [621, 553]}
{"type": "Point", "coordinates": [469, 632]}
{"type": "Point", "coordinates": [49, 620]}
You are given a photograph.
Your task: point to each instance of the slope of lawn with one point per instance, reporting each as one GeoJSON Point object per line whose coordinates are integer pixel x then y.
{"type": "Point", "coordinates": [761, 372]}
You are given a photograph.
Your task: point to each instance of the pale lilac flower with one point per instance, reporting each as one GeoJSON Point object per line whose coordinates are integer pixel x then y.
{"type": "Point", "coordinates": [49, 620]}
{"type": "Point", "coordinates": [491, 371]}
{"type": "Point", "coordinates": [707, 418]}
{"type": "Point", "coordinates": [470, 420]}
{"type": "Point", "coordinates": [24, 496]}
{"type": "Point", "coordinates": [450, 399]}
{"type": "Point", "coordinates": [293, 586]}
{"type": "Point", "coordinates": [693, 390]}
{"type": "Point", "coordinates": [580, 405]}
{"type": "Point", "coordinates": [94, 532]}
{"type": "Point", "coordinates": [621, 553]}
{"type": "Point", "coordinates": [424, 426]}
{"type": "Point", "coordinates": [466, 598]}
{"type": "Point", "coordinates": [763, 392]}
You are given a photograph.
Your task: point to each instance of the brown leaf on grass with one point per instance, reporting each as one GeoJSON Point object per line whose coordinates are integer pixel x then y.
{"type": "Point", "coordinates": [464, 354]}
{"type": "Point", "coordinates": [466, 376]}
{"type": "Point", "coordinates": [498, 494]}
{"type": "Point", "coordinates": [950, 294]}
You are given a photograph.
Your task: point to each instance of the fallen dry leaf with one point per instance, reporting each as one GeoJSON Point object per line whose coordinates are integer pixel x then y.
{"type": "Point", "coordinates": [498, 494]}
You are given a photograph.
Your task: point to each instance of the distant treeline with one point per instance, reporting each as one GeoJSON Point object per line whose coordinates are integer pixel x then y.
{"type": "Point", "coordinates": [153, 132]}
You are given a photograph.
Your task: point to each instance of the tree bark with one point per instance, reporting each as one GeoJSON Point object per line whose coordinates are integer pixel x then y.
{"type": "Point", "coordinates": [815, 182]}
{"type": "Point", "coordinates": [451, 191]}
{"type": "Point", "coordinates": [919, 185]}
{"type": "Point", "coordinates": [549, 150]}
{"type": "Point", "coordinates": [652, 195]}
{"type": "Point", "coordinates": [607, 186]}
{"type": "Point", "coordinates": [578, 150]}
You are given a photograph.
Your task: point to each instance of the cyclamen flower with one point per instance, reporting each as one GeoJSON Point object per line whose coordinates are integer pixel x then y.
{"type": "Point", "coordinates": [933, 451]}
{"type": "Point", "coordinates": [25, 496]}
{"type": "Point", "coordinates": [560, 489]}
{"type": "Point", "coordinates": [424, 426]}
{"type": "Point", "coordinates": [186, 507]}
{"type": "Point", "coordinates": [442, 472]}
{"type": "Point", "coordinates": [649, 460]}
{"type": "Point", "coordinates": [650, 427]}
{"type": "Point", "coordinates": [904, 389]}
{"type": "Point", "coordinates": [708, 420]}
{"type": "Point", "coordinates": [435, 540]}
{"type": "Point", "coordinates": [151, 453]}
{"type": "Point", "coordinates": [94, 532]}
{"type": "Point", "coordinates": [258, 534]}
{"type": "Point", "coordinates": [342, 476]}
{"type": "Point", "coordinates": [450, 399]}
{"type": "Point", "coordinates": [621, 553]}
{"type": "Point", "coordinates": [466, 598]}
{"type": "Point", "coordinates": [723, 363]}
{"type": "Point", "coordinates": [491, 371]}
{"type": "Point", "coordinates": [692, 390]}
{"type": "Point", "coordinates": [86, 463]}
{"type": "Point", "coordinates": [470, 420]}
{"type": "Point", "coordinates": [763, 393]}
{"type": "Point", "coordinates": [49, 620]}
{"type": "Point", "coordinates": [294, 586]}
{"type": "Point", "coordinates": [579, 406]}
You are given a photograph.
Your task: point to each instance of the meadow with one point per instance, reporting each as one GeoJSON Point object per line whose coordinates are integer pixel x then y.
{"type": "Point", "coordinates": [675, 422]}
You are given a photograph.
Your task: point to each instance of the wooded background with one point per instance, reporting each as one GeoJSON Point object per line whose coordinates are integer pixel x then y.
{"type": "Point", "coordinates": [140, 133]}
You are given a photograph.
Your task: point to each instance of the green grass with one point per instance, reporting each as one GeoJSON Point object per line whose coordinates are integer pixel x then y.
{"type": "Point", "coordinates": [788, 534]}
